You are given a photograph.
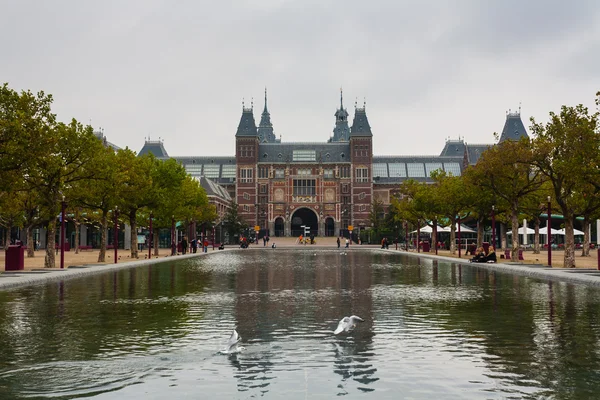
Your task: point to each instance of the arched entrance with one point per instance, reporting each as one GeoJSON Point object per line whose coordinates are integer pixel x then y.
{"type": "Point", "coordinates": [304, 216]}
{"type": "Point", "coordinates": [329, 227]}
{"type": "Point", "coordinates": [279, 227]}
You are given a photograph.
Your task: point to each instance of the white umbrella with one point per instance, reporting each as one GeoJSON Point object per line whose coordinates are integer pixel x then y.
{"type": "Point", "coordinates": [575, 232]}
{"type": "Point", "coordinates": [543, 231]}
{"type": "Point", "coordinates": [463, 229]}
{"type": "Point", "coordinates": [428, 229]}
{"type": "Point", "coordinates": [528, 231]}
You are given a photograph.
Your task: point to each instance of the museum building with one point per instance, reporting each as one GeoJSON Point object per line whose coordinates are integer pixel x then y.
{"type": "Point", "coordinates": [329, 186]}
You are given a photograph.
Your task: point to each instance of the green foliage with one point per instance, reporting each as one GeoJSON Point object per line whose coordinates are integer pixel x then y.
{"type": "Point", "coordinates": [567, 152]}
{"type": "Point", "coordinates": [234, 224]}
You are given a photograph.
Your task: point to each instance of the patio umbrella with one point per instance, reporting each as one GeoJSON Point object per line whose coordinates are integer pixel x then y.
{"type": "Point", "coordinates": [428, 229]}
{"type": "Point", "coordinates": [576, 232]}
{"type": "Point", "coordinates": [528, 231]}
{"type": "Point", "coordinates": [543, 231]}
{"type": "Point", "coordinates": [463, 229]}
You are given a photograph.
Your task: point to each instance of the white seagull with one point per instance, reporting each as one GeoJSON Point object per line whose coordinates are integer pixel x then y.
{"type": "Point", "coordinates": [347, 324]}
{"type": "Point", "coordinates": [232, 343]}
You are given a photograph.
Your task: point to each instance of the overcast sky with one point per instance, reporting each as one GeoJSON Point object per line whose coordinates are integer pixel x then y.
{"type": "Point", "coordinates": [178, 70]}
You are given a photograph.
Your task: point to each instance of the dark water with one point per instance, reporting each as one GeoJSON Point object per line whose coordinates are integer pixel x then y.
{"type": "Point", "coordinates": [432, 331]}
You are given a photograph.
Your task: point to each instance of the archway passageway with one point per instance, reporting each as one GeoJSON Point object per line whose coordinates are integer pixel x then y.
{"type": "Point", "coordinates": [304, 216]}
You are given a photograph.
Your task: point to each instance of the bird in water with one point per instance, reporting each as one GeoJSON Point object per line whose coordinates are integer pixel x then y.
{"type": "Point", "coordinates": [232, 344]}
{"type": "Point", "coordinates": [347, 324]}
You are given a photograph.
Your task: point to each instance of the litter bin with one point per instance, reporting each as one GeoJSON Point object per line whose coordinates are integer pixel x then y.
{"type": "Point", "coordinates": [15, 258]}
{"type": "Point", "coordinates": [425, 247]}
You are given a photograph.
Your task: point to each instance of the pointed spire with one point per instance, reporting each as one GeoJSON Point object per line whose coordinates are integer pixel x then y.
{"type": "Point", "coordinates": [341, 98]}
{"type": "Point", "coordinates": [265, 110]}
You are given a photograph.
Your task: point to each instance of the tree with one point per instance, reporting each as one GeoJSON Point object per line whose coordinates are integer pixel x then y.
{"type": "Point", "coordinates": [136, 191]}
{"type": "Point", "coordinates": [69, 148]}
{"type": "Point", "coordinates": [234, 223]}
{"type": "Point", "coordinates": [456, 200]}
{"type": "Point", "coordinates": [25, 123]}
{"type": "Point", "coordinates": [506, 170]}
{"type": "Point", "coordinates": [567, 152]}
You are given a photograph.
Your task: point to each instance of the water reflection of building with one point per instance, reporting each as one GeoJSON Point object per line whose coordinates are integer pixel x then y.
{"type": "Point", "coordinates": [304, 301]}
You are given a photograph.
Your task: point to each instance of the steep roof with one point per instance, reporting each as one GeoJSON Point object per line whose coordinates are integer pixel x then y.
{"type": "Point", "coordinates": [154, 147]}
{"type": "Point", "coordinates": [513, 128]}
{"type": "Point", "coordinates": [341, 132]}
{"type": "Point", "coordinates": [454, 148]}
{"type": "Point", "coordinates": [360, 125]}
{"type": "Point", "coordinates": [247, 126]}
{"type": "Point", "coordinates": [265, 128]}
{"type": "Point", "coordinates": [214, 190]}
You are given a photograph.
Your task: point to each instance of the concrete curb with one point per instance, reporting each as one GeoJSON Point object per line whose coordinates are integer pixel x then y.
{"type": "Point", "coordinates": [14, 279]}
{"type": "Point", "coordinates": [580, 276]}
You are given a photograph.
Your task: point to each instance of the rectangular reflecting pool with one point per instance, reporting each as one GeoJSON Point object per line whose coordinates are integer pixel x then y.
{"type": "Point", "coordinates": [432, 330]}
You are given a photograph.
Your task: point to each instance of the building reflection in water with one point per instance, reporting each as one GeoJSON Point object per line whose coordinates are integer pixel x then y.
{"type": "Point", "coordinates": [298, 307]}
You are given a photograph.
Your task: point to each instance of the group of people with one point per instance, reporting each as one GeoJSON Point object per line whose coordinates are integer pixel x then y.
{"type": "Point", "coordinates": [481, 257]}
{"type": "Point", "coordinates": [339, 242]}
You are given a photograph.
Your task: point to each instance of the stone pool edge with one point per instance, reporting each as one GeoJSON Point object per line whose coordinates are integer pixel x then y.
{"type": "Point", "coordinates": [18, 279]}
{"type": "Point", "coordinates": [570, 275]}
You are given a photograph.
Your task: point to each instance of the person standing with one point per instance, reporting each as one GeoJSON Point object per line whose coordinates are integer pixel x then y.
{"type": "Point", "coordinates": [184, 245]}
{"type": "Point", "coordinates": [338, 242]}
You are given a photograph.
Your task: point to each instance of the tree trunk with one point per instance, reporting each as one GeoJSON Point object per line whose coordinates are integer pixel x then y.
{"type": "Point", "coordinates": [514, 219]}
{"type": "Point", "coordinates": [433, 235]}
{"type": "Point", "coordinates": [134, 242]}
{"type": "Point", "coordinates": [103, 228]}
{"type": "Point", "coordinates": [155, 237]}
{"type": "Point", "coordinates": [585, 252]}
{"type": "Point", "coordinates": [49, 259]}
{"type": "Point", "coordinates": [8, 227]}
{"type": "Point", "coordinates": [77, 233]}
{"type": "Point", "coordinates": [30, 244]}
{"type": "Point", "coordinates": [536, 237]}
{"type": "Point", "coordinates": [569, 260]}
{"type": "Point", "coordinates": [480, 227]}
{"type": "Point", "coordinates": [77, 230]}
{"type": "Point", "coordinates": [503, 238]}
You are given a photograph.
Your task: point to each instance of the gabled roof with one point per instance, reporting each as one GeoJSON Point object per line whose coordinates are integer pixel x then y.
{"type": "Point", "coordinates": [247, 126]}
{"type": "Point", "coordinates": [360, 125]}
{"type": "Point", "coordinates": [214, 190]}
{"type": "Point", "coordinates": [154, 147]}
{"type": "Point", "coordinates": [513, 128]}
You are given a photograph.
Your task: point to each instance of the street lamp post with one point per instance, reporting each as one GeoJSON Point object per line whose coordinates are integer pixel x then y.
{"type": "Point", "coordinates": [493, 227]}
{"type": "Point", "coordinates": [62, 232]}
{"type": "Point", "coordinates": [116, 234]}
{"type": "Point", "coordinates": [173, 245]}
{"type": "Point", "coordinates": [406, 235]}
{"type": "Point", "coordinates": [459, 236]}
{"type": "Point", "coordinates": [418, 236]}
{"type": "Point", "coordinates": [396, 231]}
{"type": "Point", "coordinates": [549, 231]}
